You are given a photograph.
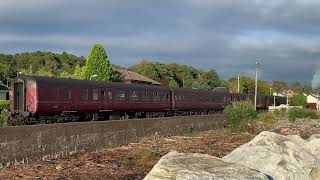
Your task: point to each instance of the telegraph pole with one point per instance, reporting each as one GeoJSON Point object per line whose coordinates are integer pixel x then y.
{"type": "Point", "coordinates": [256, 87]}
{"type": "Point", "coordinates": [238, 83]}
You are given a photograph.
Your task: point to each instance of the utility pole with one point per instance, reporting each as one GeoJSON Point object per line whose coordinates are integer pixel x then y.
{"type": "Point", "coordinates": [30, 70]}
{"type": "Point", "coordinates": [238, 83]}
{"type": "Point", "coordinates": [256, 87]}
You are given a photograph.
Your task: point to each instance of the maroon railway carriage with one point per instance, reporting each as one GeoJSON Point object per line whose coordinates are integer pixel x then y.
{"type": "Point", "coordinates": [200, 101]}
{"type": "Point", "coordinates": [43, 97]}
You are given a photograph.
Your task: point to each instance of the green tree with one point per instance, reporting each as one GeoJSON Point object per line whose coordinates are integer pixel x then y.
{"type": "Point", "coordinates": [78, 72]}
{"type": "Point", "coordinates": [279, 86]}
{"type": "Point", "coordinates": [212, 79]}
{"type": "Point", "coordinates": [297, 87]}
{"type": "Point", "coordinates": [173, 84]}
{"type": "Point", "coordinates": [307, 88]}
{"type": "Point", "coordinates": [98, 64]}
{"type": "Point", "coordinates": [264, 87]}
{"type": "Point", "coordinates": [200, 83]}
{"type": "Point", "coordinates": [298, 100]}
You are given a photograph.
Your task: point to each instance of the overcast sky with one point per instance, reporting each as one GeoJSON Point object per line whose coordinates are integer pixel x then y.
{"type": "Point", "coordinates": [226, 35]}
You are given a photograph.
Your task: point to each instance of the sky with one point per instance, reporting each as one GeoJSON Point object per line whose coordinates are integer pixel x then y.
{"type": "Point", "coordinates": [226, 35]}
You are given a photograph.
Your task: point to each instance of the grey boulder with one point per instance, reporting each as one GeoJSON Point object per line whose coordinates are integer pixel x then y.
{"type": "Point", "coordinates": [194, 166]}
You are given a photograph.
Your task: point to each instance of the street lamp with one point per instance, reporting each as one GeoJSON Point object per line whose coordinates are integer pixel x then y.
{"type": "Point", "coordinates": [256, 87]}
{"type": "Point", "coordinates": [93, 76]}
{"type": "Point", "coordinates": [19, 73]}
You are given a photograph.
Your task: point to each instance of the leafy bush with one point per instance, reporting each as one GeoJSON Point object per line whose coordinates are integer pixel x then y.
{"type": "Point", "coordinates": [4, 116]}
{"type": "Point", "coordinates": [295, 113]}
{"type": "Point", "coordinates": [4, 104]}
{"type": "Point", "coordinates": [239, 114]}
{"type": "Point", "coordinates": [298, 100]}
{"type": "Point", "coordinates": [268, 117]}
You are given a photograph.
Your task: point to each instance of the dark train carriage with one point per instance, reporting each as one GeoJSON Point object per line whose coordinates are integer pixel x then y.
{"type": "Point", "coordinates": [43, 96]}
{"type": "Point", "coordinates": [199, 101]}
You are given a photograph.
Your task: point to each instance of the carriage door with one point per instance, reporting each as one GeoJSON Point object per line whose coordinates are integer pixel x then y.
{"type": "Point", "coordinates": [18, 97]}
{"type": "Point", "coordinates": [103, 99]}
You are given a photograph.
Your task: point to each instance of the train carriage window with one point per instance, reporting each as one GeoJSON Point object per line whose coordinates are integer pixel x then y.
{"type": "Point", "coordinates": [146, 97]}
{"type": "Point", "coordinates": [120, 96]}
{"type": "Point", "coordinates": [103, 95]}
{"type": "Point", "coordinates": [133, 96]}
{"type": "Point", "coordinates": [109, 95]}
{"type": "Point", "coordinates": [84, 94]}
{"type": "Point", "coordinates": [67, 94]}
{"type": "Point", "coordinates": [168, 97]}
{"type": "Point", "coordinates": [95, 94]}
{"type": "Point", "coordinates": [156, 96]}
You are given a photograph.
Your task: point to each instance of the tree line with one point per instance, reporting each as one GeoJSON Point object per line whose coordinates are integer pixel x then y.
{"type": "Point", "coordinates": [97, 67]}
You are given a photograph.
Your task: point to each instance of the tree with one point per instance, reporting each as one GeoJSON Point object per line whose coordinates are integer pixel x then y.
{"type": "Point", "coordinates": [279, 86]}
{"type": "Point", "coordinates": [307, 88]}
{"type": "Point", "coordinates": [247, 85]}
{"type": "Point", "coordinates": [298, 100]}
{"type": "Point", "coordinates": [200, 83]}
{"type": "Point", "coordinates": [173, 84]}
{"type": "Point", "coordinates": [264, 87]}
{"type": "Point", "coordinates": [297, 87]}
{"type": "Point", "coordinates": [98, 64]}
{"type": "Point", "coordinates": [212, 78]}
{"type": "Point", "coordinates": [78, 72]}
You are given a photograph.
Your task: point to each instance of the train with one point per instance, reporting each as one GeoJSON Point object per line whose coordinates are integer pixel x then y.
{"type": "Point", "coordinates": [36, 99]}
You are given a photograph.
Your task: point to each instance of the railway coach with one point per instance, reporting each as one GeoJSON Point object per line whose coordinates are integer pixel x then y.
{"type": "Point", "coordinates": [38, 99]}
{"type": "Point", "coordinates": [44, 99]}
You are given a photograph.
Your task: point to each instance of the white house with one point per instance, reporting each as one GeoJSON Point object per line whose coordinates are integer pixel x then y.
{"type": "Point", "coordinates": [313, 102]}
{"type": "Point", "coordinates": [3, 91]}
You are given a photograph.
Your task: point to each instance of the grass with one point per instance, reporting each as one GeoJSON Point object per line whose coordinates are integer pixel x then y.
{"type": "Point", "coordinates": [297, 113]}
{"type": "Point", "coordinates": [2, 167]}
{"type": "Point", "coordinates": [141, 157]}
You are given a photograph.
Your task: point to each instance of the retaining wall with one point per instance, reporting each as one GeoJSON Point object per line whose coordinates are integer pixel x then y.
{"type": "Point", "coordinates": [22, 144]}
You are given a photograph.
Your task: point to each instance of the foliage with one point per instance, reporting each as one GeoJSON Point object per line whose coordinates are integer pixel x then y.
{"type": "Point", "coordinates": [298, 100]}
{"type": "Point", "coordinates": [38, 63]}
{"type": "Point", "coordinates": [4, 116]}
{"type": "Point", "coordinates": [295, 113]}
{"type": "Point", "coordinates": [2, 167]}
{"type": "Point", "coordinates": [176, 75]}
{"type": "Point", "coordinates": [239, 114]}
{"type": "Point", "coordinates": [173, 84]}
{"type": "Point", "coordinates": [306, 88]}
{"type": "Point", "coordinates": [98, 64]}
{"type": "Point", "coordinates": [4, 104]}
{"type": "Point", "coordinates": [296, 87]}
{"type": "Point", "coordinates": [247, 85]}
{"type": "Point", "coordinates": [279, 86]}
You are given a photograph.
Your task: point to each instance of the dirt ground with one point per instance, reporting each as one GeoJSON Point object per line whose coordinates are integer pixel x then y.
{"type": "Point", "coordinates": [136, 160]}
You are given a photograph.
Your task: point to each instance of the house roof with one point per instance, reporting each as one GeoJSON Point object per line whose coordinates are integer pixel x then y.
{"type": "Point", "coordinates": [133, 76]}
{"type": "Point", "coordinates": [3, 87]}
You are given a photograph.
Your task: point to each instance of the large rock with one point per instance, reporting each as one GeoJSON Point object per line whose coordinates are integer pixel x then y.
{"type": "Point", "coordinates": [280, 157]}
{"type": "Point", "coordinates": [182, 166]}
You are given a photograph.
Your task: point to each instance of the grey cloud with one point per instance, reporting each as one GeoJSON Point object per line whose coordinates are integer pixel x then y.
{"type": "Point", "coordinates": [227, 35]}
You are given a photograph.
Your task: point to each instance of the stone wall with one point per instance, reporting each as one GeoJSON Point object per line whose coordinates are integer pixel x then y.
{"type": "Point", "coordinates": [22, 144]}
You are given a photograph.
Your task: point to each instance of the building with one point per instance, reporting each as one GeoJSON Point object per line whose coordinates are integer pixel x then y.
{"type": "Point", "coordinates": [130, 77]}
{"type": "Point", "coordinates": [4, 91]}
{"type": "Point", "coordinates": [313, 102]}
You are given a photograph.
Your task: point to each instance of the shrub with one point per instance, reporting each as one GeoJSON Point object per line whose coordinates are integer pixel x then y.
{"type": "Point", "coordinates": [4, 104]}
{"type": "Point", "coordinates": [295, 113]}
{"type": "Point", "coordinates": [239, 114]}
{"type": "Point", "coordinates": [298, 100]}
{"type": "Point", "coordinates": [4, 116]}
